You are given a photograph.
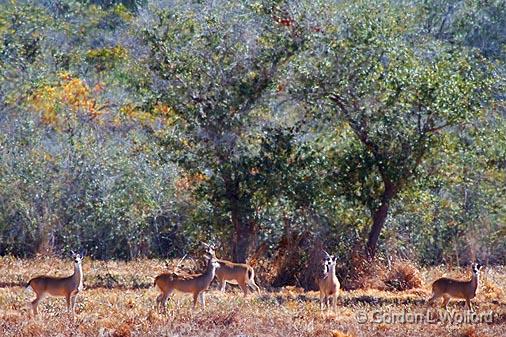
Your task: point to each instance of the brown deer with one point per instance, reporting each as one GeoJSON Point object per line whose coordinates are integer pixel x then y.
{"type": "Point", "coordinates": [194, 284]}
{"type": "Point", "coordinates": [448, 288]}
{"type": "Point", "coordinates": [67, 287]}
{"type": "Point", "coordinates": [328, 282]}
{"type": "Point", "coordinates": [233, 273]}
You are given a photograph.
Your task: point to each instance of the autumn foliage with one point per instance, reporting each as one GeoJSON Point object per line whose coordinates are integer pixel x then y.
{"type": "Point", "coordinates": [68, 99]}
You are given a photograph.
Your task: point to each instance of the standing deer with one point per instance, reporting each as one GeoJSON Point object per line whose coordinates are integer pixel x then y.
{"type": "Point", "coordinates": [233, 273]}
{"type": "Point", "coordinates": [448, 288]}
{"type": "Point", "coordinates": [328, 282]}
{"type": "Point", "coordinates": [67, 287]}
{"type": "Point", "coordinates": [194, 284]}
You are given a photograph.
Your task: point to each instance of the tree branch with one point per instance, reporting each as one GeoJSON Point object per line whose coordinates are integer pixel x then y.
{"type": "Point", "coordinates": [359, 130]}
{"type": "Point", "coordinates": [436, 128]}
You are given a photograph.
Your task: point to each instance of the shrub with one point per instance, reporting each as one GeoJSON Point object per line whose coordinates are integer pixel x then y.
{"type": "Point", "coordinates": [402, 276]}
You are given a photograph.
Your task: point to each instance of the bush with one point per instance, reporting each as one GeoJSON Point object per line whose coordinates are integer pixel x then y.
{"type": "Point", "coordinates": [403, 275]}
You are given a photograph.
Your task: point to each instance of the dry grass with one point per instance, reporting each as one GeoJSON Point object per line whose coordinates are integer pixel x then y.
{"type": "Point", "coordinates": [128, 308]}
{"type": "Point", "coordinates": [402, 276]}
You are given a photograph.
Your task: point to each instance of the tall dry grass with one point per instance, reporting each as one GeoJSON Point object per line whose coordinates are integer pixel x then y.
{"type": "Point", "coordinates": [128, 308]}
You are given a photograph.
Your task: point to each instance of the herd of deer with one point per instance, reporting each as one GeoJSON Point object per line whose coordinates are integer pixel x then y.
{"type": "Point", "coordinates": [234, 273]}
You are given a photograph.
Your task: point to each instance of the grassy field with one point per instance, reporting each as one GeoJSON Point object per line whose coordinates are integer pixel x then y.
{"type": "Point", "coordinates": [119, 300]}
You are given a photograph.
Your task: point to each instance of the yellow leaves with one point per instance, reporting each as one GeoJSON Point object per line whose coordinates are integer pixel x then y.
{"type": "Point", "coordinates": [160, 114]}
{"type": "Point", "coordinates": [105, 59]}
{"type": "Point", "coordinates": [108, 54]}
{"type": "Point", "coordinates": [64, 76]}
{"type": "Point", "coordinates": [131, 111]}
{"type": "Point", "coordinates": [63, 101]}
{"type": "Point", "coordinates": [47, 157]}
{"type": "Point", "coordinates": [168, 114]}
{"type": "Point", "coordinates": [44, 100]}
{"type": "Point", "coordinates": [252, 75]}
{"type": "Point", "coordinates": [257, 7]}
{"type": "Point", "coordinates": [337, 333]}
{"type": "Point", "coordinates": [163, 109]}
{"type": "Point", "coordinates": [121, 11]}
{"type": "Point", "coordinates": [188, 182]}
{"type": "Point", "coordinates": [265, 42]}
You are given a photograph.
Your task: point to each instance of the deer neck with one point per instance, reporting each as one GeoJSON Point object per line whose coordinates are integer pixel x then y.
{"type": "Point", "coordinates": [78, 275]}
{"type": "Point", "coordinates": [331, 270]}
{"type": "Point", "coordinates": [210, 271]}
{"type": "Point", "coordinates": [474, 281]}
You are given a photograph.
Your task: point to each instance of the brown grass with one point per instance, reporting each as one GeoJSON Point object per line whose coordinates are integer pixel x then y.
{"type": "Point", "coordinates": [127, 309]}
{"type": "Point", "coordinates": [470, 332]}
{"type": "Point", "coordinates": [337, 333]}
{"type": "Point", "coordinates": [364, 274]}
{"type": "Point", "coordinates": [402, 276]}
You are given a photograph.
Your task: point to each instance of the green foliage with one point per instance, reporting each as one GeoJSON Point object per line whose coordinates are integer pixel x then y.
{"type": "Point", "coordinates": [139, 128]}
{"type": "Point", "coordinates": [395, 90]}
{"type": "Point", "coordinates": [470, 22]}
{"type": "Point", "coordinates": [217, 63]}
{"type": "Point", "coordinates": [106, 58]}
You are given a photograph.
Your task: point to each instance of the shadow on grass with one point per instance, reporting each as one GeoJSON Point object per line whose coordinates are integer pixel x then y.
{"type": "Point", "coordinates": [343, 300]}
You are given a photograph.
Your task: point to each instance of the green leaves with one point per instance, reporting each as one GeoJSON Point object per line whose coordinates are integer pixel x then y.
{"type": "Point", "coordinates": [231, 119]}
{"type": "Point", "coordinates": [397, 90]}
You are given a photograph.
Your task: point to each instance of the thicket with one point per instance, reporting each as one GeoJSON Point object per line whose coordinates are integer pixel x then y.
{"type": "Point", "coordinates": [271, 128]}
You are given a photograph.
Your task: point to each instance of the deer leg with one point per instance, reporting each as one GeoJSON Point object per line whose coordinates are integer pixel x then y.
{"type": "Point", "coordinates": [432, 299]}
{"type": "Point", "coordinates": [223, 284]}
{"type": "Point", "coordinates": [35, 303]}
{"type": "Point", "coordinates": [195, 297]}
{"type": "Point", "coordinates": [158, 302]}
{"type": "Point", "coordinates": [445, 301]}
{"type": "Point", "coordinates": [334, 302]}
{"type": "Point", "coordinates": [244, 288]}
{"type": "Point", "coordinates": [322, 299]}
{"type": "Point", "coordinates": [67, 298]}
{"type": "Point", "coordinates": [159, 299]}
{"type": "Point", "coordinates": [73, 303]}
{"type": "Point", "coordinates": [163, 300]}
{"type": "Point", "coordinates": [202, 300]}
{"type": "Point", "coordinates": [468, 304]}
{"type": "Point", "coordinates": [253, 285]}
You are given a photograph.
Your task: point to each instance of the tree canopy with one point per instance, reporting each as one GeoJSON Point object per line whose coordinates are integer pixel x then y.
{"type": "Point", "coordinates": [271, 128]}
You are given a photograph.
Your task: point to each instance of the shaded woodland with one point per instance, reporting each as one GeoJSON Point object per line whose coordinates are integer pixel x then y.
{"type": "Point", "coordinates": [269, 128]}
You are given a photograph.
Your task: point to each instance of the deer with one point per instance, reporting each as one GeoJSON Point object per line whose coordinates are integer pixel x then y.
{"type": "Point", "coordinates": [67, 287]}
{"type": "Point", "coordinates": [448, 288]}
{"type": "Point", "coordinates": [234, 273]}
{"type": "Point", "coordinates": [194, 284]}
{"type": "Point", "coordinates": [328, 283]}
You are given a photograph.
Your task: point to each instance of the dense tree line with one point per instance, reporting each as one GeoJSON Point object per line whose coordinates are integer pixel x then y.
{"type": "Point", "coordinates": [271, 127]}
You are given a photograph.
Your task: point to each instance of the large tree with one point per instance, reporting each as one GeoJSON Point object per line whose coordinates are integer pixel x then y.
{"type": "Point", "coordinates": [395, 89]}
{"type": "Point", "coordinates": [216, 64]}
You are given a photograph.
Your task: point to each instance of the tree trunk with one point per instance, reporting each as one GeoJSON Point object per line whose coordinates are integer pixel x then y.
{"type": "Point", "coordinates": [379, 217]}
{"type": "Point", "coordinates": [244, 236]}
{"type": "Point", "coordinates": [241, 217]}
